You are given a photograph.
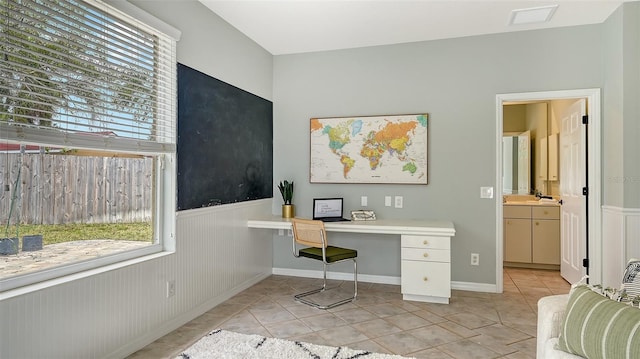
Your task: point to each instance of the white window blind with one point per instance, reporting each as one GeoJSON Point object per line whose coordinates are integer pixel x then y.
{"type": "Point", "coordinates": [82, 74]}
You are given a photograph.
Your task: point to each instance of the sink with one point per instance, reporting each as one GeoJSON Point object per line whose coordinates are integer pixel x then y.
{"type": "Point", "coordinates": [547, 200]}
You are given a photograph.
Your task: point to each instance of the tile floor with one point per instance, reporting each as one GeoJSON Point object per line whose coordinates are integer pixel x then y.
{"type": "Point", "coordinates": [473, 325]}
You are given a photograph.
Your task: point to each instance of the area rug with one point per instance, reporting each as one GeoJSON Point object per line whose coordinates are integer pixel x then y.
{"type": "Point", "coordinates": [222, 344]}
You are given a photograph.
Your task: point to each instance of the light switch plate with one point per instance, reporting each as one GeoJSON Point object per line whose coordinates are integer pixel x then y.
{"type": "Point", "coordinates": [486, 192]}
{"type": "Point", "coordinates": [363, 200]}
{"type": "Point", "coordinates": [398, 201]}
{"type": "Point", "coordinates": [387, 201]}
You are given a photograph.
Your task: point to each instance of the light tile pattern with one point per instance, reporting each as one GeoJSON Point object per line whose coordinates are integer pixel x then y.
{"type": "Point", "coordinates": [473, 325]}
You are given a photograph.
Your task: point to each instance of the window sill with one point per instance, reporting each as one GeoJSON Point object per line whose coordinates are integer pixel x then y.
{"type": "Point", "coordinates": [19, 286]}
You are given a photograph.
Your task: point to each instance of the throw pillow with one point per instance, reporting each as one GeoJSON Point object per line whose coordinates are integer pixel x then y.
{"type": "Point", "coordinates": [631, 281]}
{"type": "Point", "coordinates": [598, 327]}
{"type": "Point", "coordinates": [611, 293]}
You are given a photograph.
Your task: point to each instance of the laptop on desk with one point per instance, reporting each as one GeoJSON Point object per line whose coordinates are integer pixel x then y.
{"type": "Point", "coordinates": [328, 209]}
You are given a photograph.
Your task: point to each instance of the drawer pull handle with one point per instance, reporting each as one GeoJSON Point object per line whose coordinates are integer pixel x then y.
{"type": "Point", "coordinates": [425, 254]}
{"type": "Point", "coordinates": [545, 212]}
{"type": "Point", "coordinates": [537, 223]}
{"type": "Point", "coordinates": [425, 242]}
{"type": "Point", "coordinates": [425, 279]}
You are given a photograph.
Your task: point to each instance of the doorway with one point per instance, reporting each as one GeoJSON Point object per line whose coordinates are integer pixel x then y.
{"type": "Point", "coordinates": [593, 169]}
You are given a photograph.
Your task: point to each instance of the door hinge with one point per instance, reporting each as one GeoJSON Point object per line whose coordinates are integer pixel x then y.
{"type": "Point", "coordinates": [585, 191]}
{"type": "Point", "coordinates": [585, 262]}
{"type": "Point", "coordinates": [585, 119]}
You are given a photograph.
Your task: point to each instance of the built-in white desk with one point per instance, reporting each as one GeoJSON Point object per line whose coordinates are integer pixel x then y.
{"type": "Point", "coordinates": [425, 251]}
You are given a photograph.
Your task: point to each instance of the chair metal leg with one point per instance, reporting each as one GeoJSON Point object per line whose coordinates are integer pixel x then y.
{"type": "Point", "coordinates": [300, 297]}
{"type": "Point", "coordinates": [324, 276]}
{"type": "Point", "coordinates": [355, 279]}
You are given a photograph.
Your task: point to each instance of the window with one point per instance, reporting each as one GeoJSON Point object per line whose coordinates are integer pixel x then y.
{"type": "Point", "coordinates": [87, 137]}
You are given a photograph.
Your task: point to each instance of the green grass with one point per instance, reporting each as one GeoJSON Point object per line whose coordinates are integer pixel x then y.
{"type": "Point", "coordinates": [58, 233]}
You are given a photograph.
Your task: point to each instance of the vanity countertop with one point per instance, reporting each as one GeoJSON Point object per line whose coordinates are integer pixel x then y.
{"type": "Point", "coordinates": [531, 203]}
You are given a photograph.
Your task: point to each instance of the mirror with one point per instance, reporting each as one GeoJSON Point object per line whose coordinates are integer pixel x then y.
{"type": "Point", "coordinates": [516, 163]}
{"type": "Point", "coordinates": [537, 159]}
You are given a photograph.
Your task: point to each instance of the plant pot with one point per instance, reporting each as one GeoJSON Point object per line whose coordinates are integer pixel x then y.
{"type": "Point", "coordinates": [9, 246]}
{"type": "Point", "coordinates": [32, 243]}
{"type": "Point", "coordinates": [288, 211]}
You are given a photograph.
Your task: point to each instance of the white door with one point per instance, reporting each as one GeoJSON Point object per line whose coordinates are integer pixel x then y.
{"type": "Point", "coordinates": [572, 180]}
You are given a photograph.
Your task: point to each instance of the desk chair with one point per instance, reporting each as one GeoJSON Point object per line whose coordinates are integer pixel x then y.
{"type": "Point", "coordinates": [311, 233]}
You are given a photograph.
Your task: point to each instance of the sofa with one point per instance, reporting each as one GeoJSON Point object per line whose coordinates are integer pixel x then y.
{"type": "Point", "coordinates": [551, 311]}
{"type": "Point", "coordinates": [592, 321]}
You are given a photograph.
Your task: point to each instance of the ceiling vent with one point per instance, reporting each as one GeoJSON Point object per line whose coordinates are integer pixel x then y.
{"type": "Point", "coordinates": [532, 15]}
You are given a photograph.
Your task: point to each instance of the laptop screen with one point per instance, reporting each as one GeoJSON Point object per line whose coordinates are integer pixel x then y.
{"type": "Point", "coordinates": [327, 208]}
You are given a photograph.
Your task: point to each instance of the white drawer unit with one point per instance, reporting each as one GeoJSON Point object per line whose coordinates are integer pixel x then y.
{"type": "Point", "coordinates": [426, 268]}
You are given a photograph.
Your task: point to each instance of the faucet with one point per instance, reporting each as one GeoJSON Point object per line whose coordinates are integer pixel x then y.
{"type": "Point", "coordinates": [541, 196]}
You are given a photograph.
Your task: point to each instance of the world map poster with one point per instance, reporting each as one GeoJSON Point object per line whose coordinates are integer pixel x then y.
{"type": "Point", "coordinates": [371, 149]}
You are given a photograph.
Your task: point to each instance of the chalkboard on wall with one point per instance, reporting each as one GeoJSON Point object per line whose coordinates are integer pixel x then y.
{"type": "Point", "coordinates": [225, 142]}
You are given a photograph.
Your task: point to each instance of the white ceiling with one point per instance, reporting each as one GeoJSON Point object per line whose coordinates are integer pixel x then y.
{"type": "Point", "coordinates": [297, 26]}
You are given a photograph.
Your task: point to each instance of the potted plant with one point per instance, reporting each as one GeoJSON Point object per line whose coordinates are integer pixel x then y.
{"type": "Point", "coordinates": [286, 190]}
{"type": "Point", "coordinates": [32, 242]}
{"type": "Point", "coordinates": [9, 245]}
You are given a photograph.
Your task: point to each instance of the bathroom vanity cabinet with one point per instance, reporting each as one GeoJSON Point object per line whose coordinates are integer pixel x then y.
{"type": "Point", "coordinates": [532, 235]}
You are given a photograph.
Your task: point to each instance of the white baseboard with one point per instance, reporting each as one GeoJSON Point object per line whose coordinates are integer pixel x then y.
{"type": "Point", "coordinates": [475, 287]}
{"type": "Point", "coordinates": [367, 278]}
{"type": "Point", "coordinates": [381, 279]}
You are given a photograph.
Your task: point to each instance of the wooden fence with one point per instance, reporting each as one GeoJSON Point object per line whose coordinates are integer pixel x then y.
{"type": "Point", "coordinates": [61, 188]}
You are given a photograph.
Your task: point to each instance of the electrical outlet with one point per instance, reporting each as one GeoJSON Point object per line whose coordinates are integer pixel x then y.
{"type": "Point", "coordinates": [475, 259]}
{"type": "Point", "coordinates": [398, 200]}
{"type": "Point", "coordinates": [171, 288]}
{"type": "Point", "coordinates": [363, 200]}
{"type": "Point", "coordinates": [387, 201]}
{"type": "Point", "coordinates": [281, 232]}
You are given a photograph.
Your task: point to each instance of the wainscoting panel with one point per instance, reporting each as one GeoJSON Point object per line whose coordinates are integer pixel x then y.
{"type": "Point", "coordinates": [114, 313]}
{"type": "Point", "coordinates": [620, 242]}
{"type": "Point", "coordinates": [632, 234]}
